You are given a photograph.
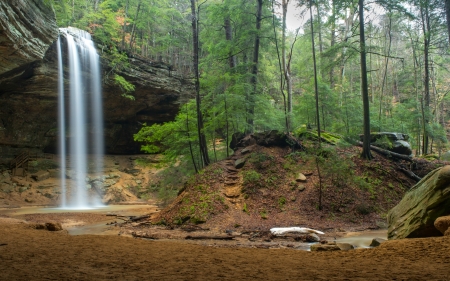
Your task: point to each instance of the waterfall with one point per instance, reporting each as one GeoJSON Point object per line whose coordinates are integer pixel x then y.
{"type": "Point", "coordinates": [85, 119]}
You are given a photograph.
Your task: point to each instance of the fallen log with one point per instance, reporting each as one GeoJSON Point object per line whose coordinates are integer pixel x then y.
{"type": "Point", "coordinates": [206, 237]}
{"type": "Point", "coordinates": [388, 153]}
{"type": "Point", "coordinates": [132, 219]}
{"type": "Point", "coordinates": [409, 173]}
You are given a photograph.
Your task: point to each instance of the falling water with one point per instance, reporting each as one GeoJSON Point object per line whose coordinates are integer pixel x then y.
{"type": "Point", "coordinates": [83, 90]}
{"type": "Point", "coordinates": [61, 124]}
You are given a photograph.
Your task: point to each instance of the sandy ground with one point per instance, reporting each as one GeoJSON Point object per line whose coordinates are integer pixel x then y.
{"type": "Point", "coordinates": [30, 254]}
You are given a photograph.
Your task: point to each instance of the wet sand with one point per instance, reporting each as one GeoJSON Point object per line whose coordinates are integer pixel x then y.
{"type": "Point", "coordinates": [30, 254]}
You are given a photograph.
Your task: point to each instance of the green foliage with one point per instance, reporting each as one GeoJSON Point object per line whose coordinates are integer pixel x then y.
{"type": "Point", "coordinates": [281, 202]}
{"type": "Point", "coordinates": [244, 208]}
{"type": "Point", "coordinates": [383, 142]}
{"type": "Point", "coordinates": [251, 178]}
{"type": "Point", "coordinates": [125, 86]}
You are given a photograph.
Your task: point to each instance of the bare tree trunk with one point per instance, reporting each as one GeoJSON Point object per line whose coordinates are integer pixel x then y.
{"type": "Point", "coordinates": [134, 25]}
{"type": "Point", "coordinates": [425, 108]}
{"type": "Point", "coordinates": [316, 88]}
{"type": "Point", "coordinates": [232, 63]}
{"type": "Point", "coordinates": [364, 85]}
{"type": "Point", "coordinates": [333, 39]}
{"type": "Point", "coordinates": [254, 80]}
{"type": "Point", "coordinates": [447, 14]}
{"type": "Point", "coordinates": [286, 70]}
{"type": "Point", "coordinates": [201, 135]}
{"type": "Point", "coordinates": [385, 72]}
{"type": "Point", "coordinates": [124, 25]}
{"type": "Point", "coordinates": [280, 65]}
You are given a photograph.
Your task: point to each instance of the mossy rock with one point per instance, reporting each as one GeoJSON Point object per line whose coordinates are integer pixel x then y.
{"type": "Point", "coordinates": [330, 138]}
{"type": "Point", "coordinates": [415, 214]}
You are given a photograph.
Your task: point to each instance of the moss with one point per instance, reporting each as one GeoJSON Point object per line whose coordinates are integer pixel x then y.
{"type": "Point", "coordinates": [330, 138]}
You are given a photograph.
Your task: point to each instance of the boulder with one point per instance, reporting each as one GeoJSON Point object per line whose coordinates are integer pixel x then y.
{"type": "Point", "coordinates": [236, 139]}
{"type": "Point", "coordinates": [271, 138]}
{"type": "Point", "coordinates": [300, 177]}
{"type": "Point", "coordinates": [415, 214]}
{"type": "Point", "coordinates": [312, 237]}
{"type": "Point", "coordinates": [345, 246]}
{"type": "Point", "coordinates": [401, 147]}
{"type": "Point", "coordinates": [397, 142]}
{"type": "Point", "coordinates": [442, 224]}
{"type": "Point", "coordinates": [325, 247]}
{"type": "Point", "coordinates": [40, 176]}
{"type": "Point", "coordinates": [240, 163]}
{"type": "Point", "coordinates": [377, 242]}
{"type": "Point", "coordinates": [53, 226]}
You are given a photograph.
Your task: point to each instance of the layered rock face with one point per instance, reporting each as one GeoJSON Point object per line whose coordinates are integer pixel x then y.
{"type": "Point", "coordinates": [416, 213]}
{"type": "Point", "coordinates": [27, 28]}
{"type": "Point", "coordinates": [29, 96]}
{"type": "Point", "coordinates": [28, 112]}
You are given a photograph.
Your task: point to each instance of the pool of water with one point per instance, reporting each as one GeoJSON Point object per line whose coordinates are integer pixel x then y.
{"type": "Point", "coordinates": [123, 209]}
{"type": "Point", "coordinates": [362, 239]}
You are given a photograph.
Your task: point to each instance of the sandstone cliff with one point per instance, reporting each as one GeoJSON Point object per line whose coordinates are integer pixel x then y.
{"type": "Point", "coordinates": [28, 87]}
{"type": "Point", "coordinates": [27, 28]}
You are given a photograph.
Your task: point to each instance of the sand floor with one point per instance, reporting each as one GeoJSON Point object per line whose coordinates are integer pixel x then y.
{"type": "Point", "coordinates": [30, 254]}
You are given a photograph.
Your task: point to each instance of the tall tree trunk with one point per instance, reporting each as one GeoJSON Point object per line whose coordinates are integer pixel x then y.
{"type": "Point", "coordinates": [319, 27]}
{"type": "Point", "coordinates": [286, 70]}
{"type": "Point", "coordinates": [384, 82]}
{"type": "Point", "coordinates": [447, 14]}
{"type": "Point", "coordinates": [124, 25]}
{"type": "Point", "coordinates": [316, 88]}
{"type": "Point", "coordinates": [229, 37]}
{"type": "Point", "coordinates": [333, 39]}
{"type": "Point", "coordinates": [364, 85]}
{"type": "Point", "coordinates": [232, 64]}
{"type": "Point", "coordinates": [426, 79]}
{"type": "Point", "coordinates": [134, 25]}
{"type": "Point", "coordinates": [254, 78]}
{"type": "Point", "coordinates": [280, 65]}
{"type": "Point", "coordinates": [201, 135]}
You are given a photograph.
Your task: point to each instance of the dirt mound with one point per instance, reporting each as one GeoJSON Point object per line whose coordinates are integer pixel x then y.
{"type": "Point", "coordinates": [262, 187]}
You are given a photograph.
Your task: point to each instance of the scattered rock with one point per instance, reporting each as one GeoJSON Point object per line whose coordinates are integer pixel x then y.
{"type": "Point", "coordinates": [240, 163]}
{"type": "Point", "coordinates": [39, 226]}
{"type": "Point", "coordinates": [345, 246]}
{"type": "Point", "coordinates": [246, 150]}
{"type": "Point", "coordinates": [325, 247]}
{"type": "Point", "coordinates": [312, 237]}
{"type": "Point", "coordinates": [376, 242]}
{"type": "Point", "coordinates": [53, 226]}
{"type": "Point", "coordinates": [29, 200]}
{"type": "Point", "coordinates": [429, 199]}
{"type": "Point", "coordinates": [442, 224]}
{"type": "Point", "coordinates": [301, 187]}
{"type": "Point", "coordinates": [300, 177]}
{"type": "Point", "coordinates": [40, 176]}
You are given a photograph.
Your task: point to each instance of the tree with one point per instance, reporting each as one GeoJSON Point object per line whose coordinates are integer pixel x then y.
{"type": "Point", "coordinates": [364, 85]}
{"type": "Point", "coordinates": [254, 73]}
{"type": "Point", "coordinates": [201, 135]}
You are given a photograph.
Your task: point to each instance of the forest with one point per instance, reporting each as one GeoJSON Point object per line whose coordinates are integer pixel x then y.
{"type": "Point", "coordinates": [350, 68]}
{"type": "Point", "coordinates": [187, 140]}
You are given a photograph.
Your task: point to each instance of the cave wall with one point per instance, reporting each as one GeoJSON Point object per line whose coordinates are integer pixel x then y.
{"type": "Point", "coordinates": [29, 96]}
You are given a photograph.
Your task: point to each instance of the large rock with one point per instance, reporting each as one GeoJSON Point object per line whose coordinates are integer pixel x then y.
{"type": "Point", "coordinates": [429, 199]}
{"type": "Point", "coordinates": [325, 247]}
{"type": "Point", "coordinates": [442, 224]}
{"type": "Point", "coordinates": [27, 29]}
{"type": "Point", "coordinates": [397, 142]}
